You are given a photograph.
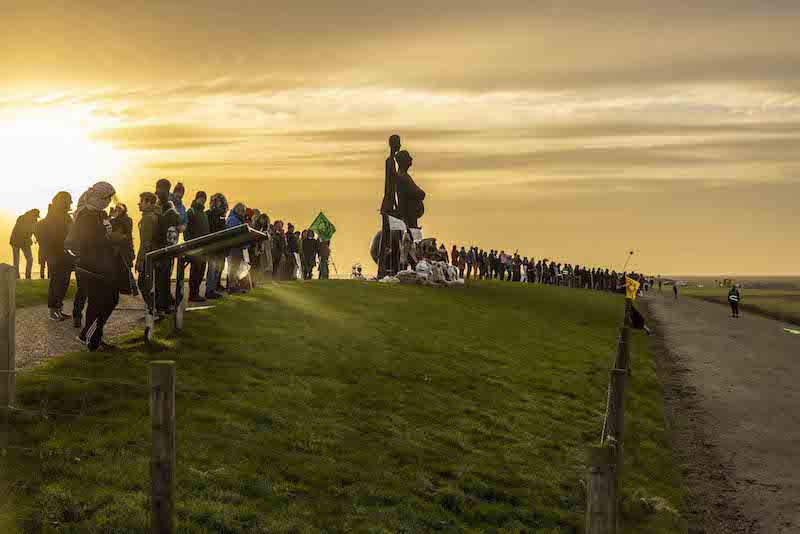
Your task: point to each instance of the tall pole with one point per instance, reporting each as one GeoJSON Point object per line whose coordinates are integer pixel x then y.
{"type": "Point", "coordinates": [8, 334]}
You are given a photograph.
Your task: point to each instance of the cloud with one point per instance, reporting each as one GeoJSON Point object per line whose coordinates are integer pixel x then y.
{"type": "Point", "coordinates": [169, 136]}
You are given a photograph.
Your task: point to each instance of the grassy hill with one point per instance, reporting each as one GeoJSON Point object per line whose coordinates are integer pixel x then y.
{"type": "Point", "coordinates": [339, 405]}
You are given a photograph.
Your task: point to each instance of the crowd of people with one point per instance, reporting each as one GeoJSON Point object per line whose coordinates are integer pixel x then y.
{"type": "Point", "coordinates": [97, 245]}
{"type": "Point", "coordinates": [494, 265]}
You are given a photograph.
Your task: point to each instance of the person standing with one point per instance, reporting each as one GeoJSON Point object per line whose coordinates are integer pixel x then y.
{"type": "Point", "coordinates": [196, 226]}
{"type": "Point", "coordinates": [454, 256]}
{"type": "Point", "coordinates": [734, 297]}
{"type": "Point", "coordinates": [149, 240]}
{"type": "Point", "coordinates": [96, 242]}
{"type": "Point", "coordinates": [462, 262]}
{"type": "Point", "coordinates": [388, 259]}
{"type": "Point", "coordinates": [278, 250]}
{"type": "Point", "coordinates": [169, 232]}
{"type": "Point", "coordinates": [51, 232]}
{"type": "Point", "coordinates": [236, 255]}
{"type": "Point", "coordinates": [177, 201]}
{"type": "Point", "coordinates": [324, 256]}
{"type": "Point", "coordinates": [122, 224]}
{"type": "Point", "coordinates": [310, 249]}
{"type": "Point", "coordinates": [675, 291]}
{"type": "Point", "coordinates": [216, 214]}
{"type": "Point", "coordinates": [22, 240]}
{"type": "Point", "coordinates": [470, 262]}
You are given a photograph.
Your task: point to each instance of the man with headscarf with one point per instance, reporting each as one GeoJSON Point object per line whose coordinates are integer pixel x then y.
{"type": "Point", "coordinates": [216, 213]}
{"type": "Point", "coordinates": [51, 232]}
{"type": "Point", "coordinates": [95, 243]}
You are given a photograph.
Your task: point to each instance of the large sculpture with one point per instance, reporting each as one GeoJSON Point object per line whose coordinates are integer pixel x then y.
{"type": "Point", "coordinates": [402, 199]}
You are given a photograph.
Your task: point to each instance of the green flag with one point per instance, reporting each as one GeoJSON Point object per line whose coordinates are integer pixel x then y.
{"type": "Point", "coordinates": [323, 227]}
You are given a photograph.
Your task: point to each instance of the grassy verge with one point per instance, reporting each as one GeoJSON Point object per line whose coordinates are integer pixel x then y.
{"type": "Point", "coordinates": [34, 292]}
{"type": "Point", "coordinates": [350, 406]}
{"type": "Point", "coordinates": [780, 304]}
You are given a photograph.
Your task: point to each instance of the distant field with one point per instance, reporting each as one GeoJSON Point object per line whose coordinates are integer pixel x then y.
{"type": "Point", "coordinates": [345, 406]}
{"type": "Point", "coordinates": [781, 304]}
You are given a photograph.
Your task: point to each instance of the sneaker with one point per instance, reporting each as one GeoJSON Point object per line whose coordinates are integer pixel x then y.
{"type": "Point", "coordinates": [76, 321]}
{"type": "Point", "coordinates": [214, 295]}
{"type": "Point", "coordinates": [81, 339]}
{"type": "Point", "coordinates": [55, 315]}
{"type": "Point", "coordinates": [196, 298]}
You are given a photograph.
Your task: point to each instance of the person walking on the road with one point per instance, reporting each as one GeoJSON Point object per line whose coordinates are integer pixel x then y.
{"type": "Point", "coordinates": [97, 258]}
{"type": "Point", "coordinates": [22, 240]}
{"type": "Point", "coordinates": [675, 291]}
{"type": "Point", "coordinates": [733, 298]}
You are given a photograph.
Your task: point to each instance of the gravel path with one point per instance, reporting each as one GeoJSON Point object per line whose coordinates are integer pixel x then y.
{"type": "Point", "coordinates": [733, 395]}
{"type": "Point", "coordinates": [39, 338]}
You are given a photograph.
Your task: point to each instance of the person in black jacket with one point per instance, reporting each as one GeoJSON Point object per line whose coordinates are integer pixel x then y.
{"type": "Point", "coordinates": [169, 234]}
{"type": "Point", "coordinates": [197, 226]}
{"type": "Point", "coordinates": [51, 233]}
{"type": "Point", "coordinates": [216, 214]}
{"type": "Point", "coordinates": [122, 224]}
{"type": "Point", "coordinates": [310, 248]}
{"type": "Point", "coordinates": [96, 243]}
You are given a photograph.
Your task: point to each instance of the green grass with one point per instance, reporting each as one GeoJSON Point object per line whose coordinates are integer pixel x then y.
{"type": "Point", "coordinates": [781, 304]}
{"type": "Point", "coordinates": [34, 292]}
{"type": "Point", "coordinates": [361, 407]}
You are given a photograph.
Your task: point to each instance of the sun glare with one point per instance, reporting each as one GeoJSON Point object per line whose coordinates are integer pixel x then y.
{"type": "Point", "coordinates": [42, 154]}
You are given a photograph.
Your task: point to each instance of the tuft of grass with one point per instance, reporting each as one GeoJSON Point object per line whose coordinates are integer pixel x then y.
{"type": "Point", "coordinates": [34, 292]}
{"type": "Point", "coordinates": [341, 405]}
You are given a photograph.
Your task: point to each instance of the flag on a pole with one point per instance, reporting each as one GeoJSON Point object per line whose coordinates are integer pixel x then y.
{"type": "Point", "coordinates": [323, 227]}
{"type": "Point", "coordinates": [631, 287]}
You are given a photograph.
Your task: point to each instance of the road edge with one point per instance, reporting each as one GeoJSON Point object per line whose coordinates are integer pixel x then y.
{"type": "Point", "coordinates": [710, 505]}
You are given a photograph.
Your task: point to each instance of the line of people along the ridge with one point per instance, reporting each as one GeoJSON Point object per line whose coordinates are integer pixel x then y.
{"type": "Point", "coordinates": [494, 265]}
{"type": "Point", "coordinates": [97, 245]}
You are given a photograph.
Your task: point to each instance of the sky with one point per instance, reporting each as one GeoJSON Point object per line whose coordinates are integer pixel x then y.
{"type": "Point", "coordinates": [573, 133]}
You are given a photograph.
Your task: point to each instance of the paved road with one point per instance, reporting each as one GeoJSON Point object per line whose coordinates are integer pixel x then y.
{"type": "Point", "coordinates": [744, 375]}
{"type": "Point", "coordinates": [39, 338]}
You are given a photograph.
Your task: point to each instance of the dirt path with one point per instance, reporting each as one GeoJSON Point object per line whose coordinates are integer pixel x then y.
{"type": "Point", "coordinates": [39, 338]}
{"type": "Point", "coordinates": [733, 393]}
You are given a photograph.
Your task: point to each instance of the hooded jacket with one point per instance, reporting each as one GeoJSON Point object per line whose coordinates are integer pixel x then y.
{"type": "Point", "coordinates": [22, 234]}
{"type": "Point", "coordinates": [149, 235]}
{"type": "Point", "coordinates": [198, 224]}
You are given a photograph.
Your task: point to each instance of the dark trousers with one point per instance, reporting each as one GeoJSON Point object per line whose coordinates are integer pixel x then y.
{"type": "Point", "coordinates": [163, 275]}
{"type": "Point", "coordinates": [196, 270]}
{"type": "Point", "coordinates": [103, 297]}
{"type": "Point", "coordinates": [734, 308]}
{"type": "Point", "coordinates": [145, 287]}
{"type": "Point", "coordinates": [28, 260]}
{"type": "Point", "coordinates": [80, 294]}
{"type": "Point", "coordinates": [60, 271]}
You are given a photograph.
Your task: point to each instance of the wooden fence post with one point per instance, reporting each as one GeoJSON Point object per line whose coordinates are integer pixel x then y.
{"type": "Point", "coordinates": [601, 505]}
{"type": "Point", "coordinates": [8, 334]}
{"type": "Point", "coordinates": [617, 418]}
{"type": "Point", "coordinates": [623, 344]}
{"type": "Point", "coordinates": [162, 464]}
